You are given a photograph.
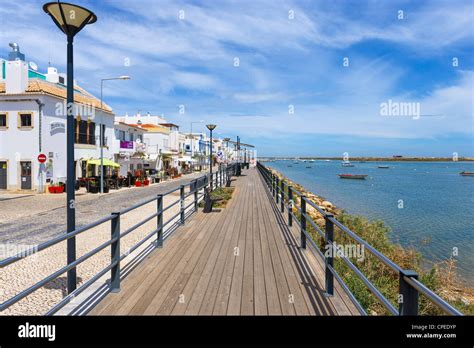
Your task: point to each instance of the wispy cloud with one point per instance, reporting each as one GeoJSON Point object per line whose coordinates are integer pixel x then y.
{"type": "Point", "coordinates": [289, 53]}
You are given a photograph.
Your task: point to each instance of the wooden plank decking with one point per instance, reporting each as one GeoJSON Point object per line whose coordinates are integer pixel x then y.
{"type": "Point", "coordinates": [243, 260]}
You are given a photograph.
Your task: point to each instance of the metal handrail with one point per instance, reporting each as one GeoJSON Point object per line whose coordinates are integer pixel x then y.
{"type": "Point", "coordinates": [220, 176]}
{"type": "Point", "coordinates": [56, 240]}
{"type": "Point", "coordinates": [432, 296]}
{"type": "Point", "coordinates": [408, 278]}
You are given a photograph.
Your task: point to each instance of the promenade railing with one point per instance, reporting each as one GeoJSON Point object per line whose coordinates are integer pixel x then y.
{"type": "Point", "coordinates": [409, 285]}
{"type": "Point", "coordinates": [195, 189]}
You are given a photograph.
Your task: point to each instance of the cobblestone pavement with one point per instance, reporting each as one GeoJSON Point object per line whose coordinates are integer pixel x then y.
{"type": "Point", "coordinates": [28, 271]}
{"type": "Point", "coordinates": [35, 219]}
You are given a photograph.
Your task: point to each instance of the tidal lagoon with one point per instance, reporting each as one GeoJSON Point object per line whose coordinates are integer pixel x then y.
{"type": "Point", "coordinates": [427, 205]}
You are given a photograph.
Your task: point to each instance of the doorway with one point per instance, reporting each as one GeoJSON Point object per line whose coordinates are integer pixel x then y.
{"type": "Point", "coordinates": [3, 175]}
{"type": "Point", "coordinates": [25, 175]}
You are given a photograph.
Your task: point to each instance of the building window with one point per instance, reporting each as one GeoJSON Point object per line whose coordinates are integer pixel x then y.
{"type": "Point", "coordinates": [25, 120]}
{"type": "Point", "coordinates": [121, 135]}
{"type": "Point", "coordinates": [131, 136]}
{"type": "Point", "coordinates": [3, 120]}
{"type": "Point", "coordinates": [84, 132]}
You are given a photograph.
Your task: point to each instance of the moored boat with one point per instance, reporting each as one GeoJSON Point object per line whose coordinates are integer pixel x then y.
{"type": "Point", "coordinates": [384, 167]}
{"type": "Point", "coordinates": [353, 176]}
{"type": "Point", "coordinates": [467, 173]}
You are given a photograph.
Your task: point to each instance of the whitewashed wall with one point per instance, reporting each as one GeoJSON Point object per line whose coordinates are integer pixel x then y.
{"type": "Point", "coordinates": [23, 145]}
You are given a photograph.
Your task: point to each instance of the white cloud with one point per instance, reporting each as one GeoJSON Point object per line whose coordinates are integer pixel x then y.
{"type": "Point", "coordinates": [283, 61]}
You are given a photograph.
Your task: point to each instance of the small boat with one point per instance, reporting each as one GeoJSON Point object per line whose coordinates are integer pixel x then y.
{"type": "Point", "coordinates": [311, 161]}
{"type": "Point", "coordinates": [384, 167]}
{"type": "Point", "coordinates": [289, 165]}
{"type": "Point", "coordinates": [308, 166]}
{"type": "Point", "coordinates": [353, 176]}
{"type": "Point", "coordinates": [467, 173]}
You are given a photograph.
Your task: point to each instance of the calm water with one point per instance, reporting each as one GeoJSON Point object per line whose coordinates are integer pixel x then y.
{"type": "Point", "coordinates": [438, 203]}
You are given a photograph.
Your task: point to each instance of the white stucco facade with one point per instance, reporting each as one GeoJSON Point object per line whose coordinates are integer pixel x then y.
{"type": "Point", "coordinates": [33, 121]}
{"type": "Point", "coordinates": [46, 135]}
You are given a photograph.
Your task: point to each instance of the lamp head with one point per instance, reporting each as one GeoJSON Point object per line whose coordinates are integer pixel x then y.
{"type": "Point", "coordinates": [211, 127]}
{"type": "Point", "coordinates": [69, 18]}
{"type": "Point", "coordinates": [124, 77]}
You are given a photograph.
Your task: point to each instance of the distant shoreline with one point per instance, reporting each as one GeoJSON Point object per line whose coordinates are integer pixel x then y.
{"type": "Point", "coordinates": [375, 159]}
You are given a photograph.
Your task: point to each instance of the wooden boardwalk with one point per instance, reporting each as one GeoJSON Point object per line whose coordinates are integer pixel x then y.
{"type": "Point", "coordinates": [242, 260]}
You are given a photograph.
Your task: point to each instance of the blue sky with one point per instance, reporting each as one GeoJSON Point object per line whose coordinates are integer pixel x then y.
{"type": "Point", "coordinates": [291, 56]}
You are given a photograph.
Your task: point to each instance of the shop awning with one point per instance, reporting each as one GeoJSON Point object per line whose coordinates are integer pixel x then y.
{"type": "Point", "coordinates": [106, 162]}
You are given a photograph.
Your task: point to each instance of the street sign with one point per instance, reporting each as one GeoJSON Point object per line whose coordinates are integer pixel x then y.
{"type": "Point", "coordinates": [41, 158]}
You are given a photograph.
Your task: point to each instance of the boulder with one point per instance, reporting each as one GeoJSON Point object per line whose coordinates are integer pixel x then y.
{"type": "Point", "coordinates": [327, 204]}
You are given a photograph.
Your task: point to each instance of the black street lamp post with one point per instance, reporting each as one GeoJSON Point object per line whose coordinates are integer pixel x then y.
{"type": "Point", "coordinates": [211, 127]}
{"type": "Point", "coordinates": [70, 19]}
{"type": "Point", "coordinates": [239, 168]}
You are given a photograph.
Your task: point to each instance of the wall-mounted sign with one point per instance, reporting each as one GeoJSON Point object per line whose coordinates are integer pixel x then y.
{"type": "Point", "coordinates": [126, 144]}
{"type": "Point", "coordinates": [57, 127]}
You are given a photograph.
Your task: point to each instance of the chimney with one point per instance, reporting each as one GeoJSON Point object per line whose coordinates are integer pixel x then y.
{"type": "Point", "coordinates": [52, 75]}
{"type": "Point", "coordinates": [16, 70]}
{"type": "Point", "coordinates": [15, 54]}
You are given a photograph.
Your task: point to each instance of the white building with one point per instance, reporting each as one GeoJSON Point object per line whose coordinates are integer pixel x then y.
{"type": "Point", "coordinates": [156, 139]}
{"type": "Point", "coordinates": [33, 121]}
{"type": "Point", "coordinates": [129, 148]}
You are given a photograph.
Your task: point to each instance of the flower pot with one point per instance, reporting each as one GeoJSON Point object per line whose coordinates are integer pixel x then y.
{"type": "Point", "coordinates": [59, 189]}
{"type": "Point", "coordinates": [138, 183]}
{"type": "Point", "coordinates": [146, 182]}
{"type": "Point", "coordinates": [52, 189]}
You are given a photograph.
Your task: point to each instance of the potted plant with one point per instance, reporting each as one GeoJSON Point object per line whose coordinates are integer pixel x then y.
{"type": "Point", "coordinates": [138, 183]}
{"type": "Point", "coordinates": [93, 186]}
{"type": "Point", "coordinates": [60, 188]}
{"type": "Point", "coordinates": [52, 188]}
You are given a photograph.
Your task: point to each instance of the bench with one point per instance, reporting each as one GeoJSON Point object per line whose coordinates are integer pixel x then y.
{"type": "Point", "coordinates": [209, 201]}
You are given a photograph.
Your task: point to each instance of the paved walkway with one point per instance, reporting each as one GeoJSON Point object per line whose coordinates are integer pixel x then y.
{"type": "Point", "coordinates": [242, 260]}
{"type": "Point", "coordinates": [38, 218]}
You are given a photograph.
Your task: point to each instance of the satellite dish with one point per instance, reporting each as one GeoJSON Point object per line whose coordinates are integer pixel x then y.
{"type": "Point", "coordinates": [138, 141]}
{"type": "Point", "coordinates": [33, 66]}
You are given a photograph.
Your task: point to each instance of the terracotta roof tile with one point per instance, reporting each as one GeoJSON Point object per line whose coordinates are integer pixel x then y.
{"type": "Point", "coordinates": [152, 128]}
{"type": "Point", "coordinates": [37, 86]}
